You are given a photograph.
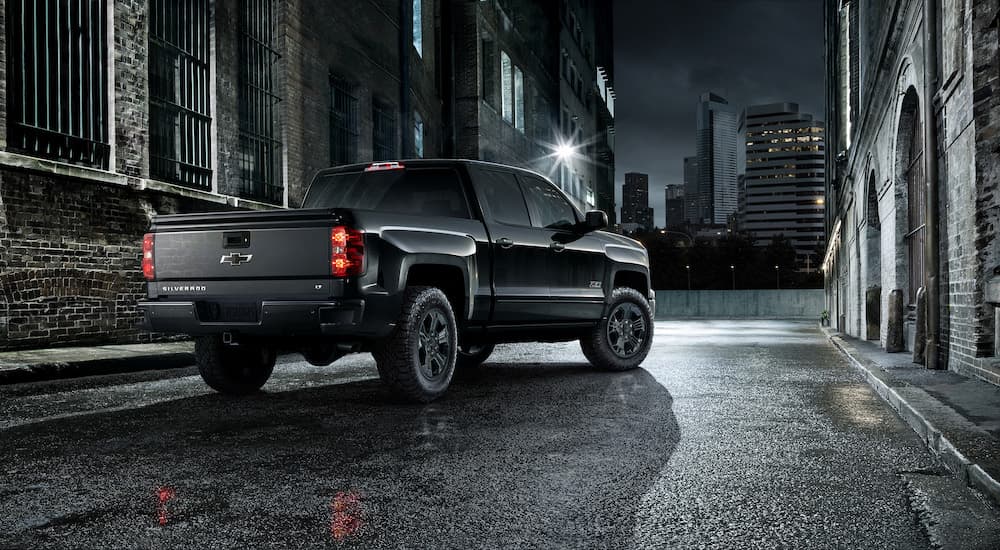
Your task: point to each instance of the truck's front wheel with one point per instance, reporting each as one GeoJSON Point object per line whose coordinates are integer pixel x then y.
{"type": "Point", "coordinates": [417, 361]}
{"type": "Point", "coordinates": [233, 369]}
{"type": "Point", "coordinates": [622, 340]}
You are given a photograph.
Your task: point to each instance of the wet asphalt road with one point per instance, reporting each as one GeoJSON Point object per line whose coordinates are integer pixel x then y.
{"type": "Point", "coordinates": [732, 435]}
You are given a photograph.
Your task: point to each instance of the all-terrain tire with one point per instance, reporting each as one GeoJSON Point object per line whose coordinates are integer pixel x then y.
{"type": "Point", "coordinates": [470, 357]}
{"type": "Point", "coordinates": [622, 340]}
{"type": "Point", "coordinates": [236, 370]}
{"type": "Point", "coordinates": [417, 360]}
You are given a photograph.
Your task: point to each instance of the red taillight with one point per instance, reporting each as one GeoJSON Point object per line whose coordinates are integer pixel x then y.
{"type": "Point", "coordinates": [148, 269]}
{"type": "Point", "coordinates": [380, 166]}
{"type": "Point", "coordinates": [347, 252]}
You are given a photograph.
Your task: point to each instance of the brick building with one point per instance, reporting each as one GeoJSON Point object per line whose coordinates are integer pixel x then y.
{"type": "Point", "coordinates": [912, 167]}
{"type": "Point", "coordinates": [111, 112]}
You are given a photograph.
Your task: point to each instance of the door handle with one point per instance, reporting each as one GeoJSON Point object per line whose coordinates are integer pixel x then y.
{"type": "Point", "coordinates": [558, 247]}
{"type": "Point", "coordinates": [505, 242]}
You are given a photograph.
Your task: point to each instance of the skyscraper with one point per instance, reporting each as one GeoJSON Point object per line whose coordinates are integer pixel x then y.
{"type": "Point", "coordinates": [636, 213]}
{"type": "Point", "coordinates": [716, 145]}
{"type": "Point", "coordinates": [691, 190]}
{"type": "Point", "coordinates": [674, 203]}
{"type": "Point", "coordinates": [784, 177]}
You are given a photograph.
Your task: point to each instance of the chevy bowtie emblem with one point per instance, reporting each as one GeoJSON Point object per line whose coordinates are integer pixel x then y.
{"type": "Point", "coordinates": [236, 259]}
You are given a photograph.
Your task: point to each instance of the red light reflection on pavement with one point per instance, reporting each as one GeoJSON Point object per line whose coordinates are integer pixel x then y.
{"type": "Point", "coordinates": [163, 494]}
{"type": "Point", "coordinates": [345, 515]}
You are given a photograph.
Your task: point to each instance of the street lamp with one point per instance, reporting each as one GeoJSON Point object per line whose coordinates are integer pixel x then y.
{"type": "Point", "coordinates": [688, 268]}
{"type": "Point", "coordinates": [732, 269]}
{"type": "Point", "coordinates": [777, 278]}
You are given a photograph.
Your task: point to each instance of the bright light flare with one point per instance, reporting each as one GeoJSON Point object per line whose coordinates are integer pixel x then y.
{"type": "Point", "coordinates": [565, 151]}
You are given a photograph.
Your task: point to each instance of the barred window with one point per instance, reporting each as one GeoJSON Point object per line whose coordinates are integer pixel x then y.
{"type": "Point", "coordinates": [418, 26]}
{"type": "Point", "coordinates": [261, 150]}
{"type": "Point", "coordinates": [57, 79]}
{"type": "Point", "coordinates": [383, 132]}
{"type": "Point", "coordinates": [507, 86]}
{"type": "Point", "coordinates": [418, 135]}
{"type": "Point", "coordinates": [343, 123]}
{"type": "Point", "coordinates": [518, 99]}
{"type": "Point", "coordinates": [180, 120]}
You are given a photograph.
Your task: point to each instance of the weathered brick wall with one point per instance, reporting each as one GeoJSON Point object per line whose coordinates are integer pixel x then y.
{"type": "Point", "coordinates": [131, 113]}
{"type": "Point", "coordinates": [985, 92]}
{"type": "Point", "coordinates": [70, 267]}
{"type": "Point", "coordinates": [225, 118]}
{"type": "Point", "coordinates": [967, 149]}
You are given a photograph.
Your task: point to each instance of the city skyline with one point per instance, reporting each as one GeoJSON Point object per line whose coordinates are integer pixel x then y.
{"type": "Point", "coordinates": [659, 76]}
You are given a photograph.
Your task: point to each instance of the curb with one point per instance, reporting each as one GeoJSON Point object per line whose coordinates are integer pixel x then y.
{"type": "Point", "coordinates": [57, 370]}
{"type": "Point", "coordinates": [970, 473]}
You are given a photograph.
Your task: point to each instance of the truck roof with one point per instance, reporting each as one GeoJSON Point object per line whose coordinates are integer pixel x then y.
{"type": "Point", "coordinates": [428, 162]}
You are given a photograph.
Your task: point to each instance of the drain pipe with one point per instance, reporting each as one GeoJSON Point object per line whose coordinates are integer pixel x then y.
{"type": "Point", "coordinates": [931, 170]}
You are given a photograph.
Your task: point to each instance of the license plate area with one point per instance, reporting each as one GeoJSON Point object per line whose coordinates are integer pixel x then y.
{"type": "Point", "coordinates": [228, 312]}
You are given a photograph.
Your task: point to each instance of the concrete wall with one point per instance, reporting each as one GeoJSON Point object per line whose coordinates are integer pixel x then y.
{"type": "Point", "coordinates": [740, 304]}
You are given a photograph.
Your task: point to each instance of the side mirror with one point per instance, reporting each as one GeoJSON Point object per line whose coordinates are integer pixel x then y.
{"type": "Point", "coordinates": [595, 220]}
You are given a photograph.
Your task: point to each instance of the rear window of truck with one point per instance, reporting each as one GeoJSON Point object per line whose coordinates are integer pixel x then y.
{"type": "Point", "coordinates": [424, 191]}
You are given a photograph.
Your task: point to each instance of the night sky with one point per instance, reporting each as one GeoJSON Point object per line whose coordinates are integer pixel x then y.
{"type": "Point", "coordinates": [668, 52]}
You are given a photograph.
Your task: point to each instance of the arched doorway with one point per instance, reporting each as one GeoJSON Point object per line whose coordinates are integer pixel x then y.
{"type": "Point", "coordinates": [911, 178]}
{"type": "Point", "coordinates": [873, 251]}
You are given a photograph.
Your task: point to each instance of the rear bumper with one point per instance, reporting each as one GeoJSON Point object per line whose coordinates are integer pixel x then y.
{"type": "Point", "coordinates": [274, 318]}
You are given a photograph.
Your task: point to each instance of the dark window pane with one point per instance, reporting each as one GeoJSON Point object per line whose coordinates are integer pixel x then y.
{"type": "Point", "coordinates": [502, 197]}
{"type": "Point", "coordinates": [260, 148]}
{"type": "Point", "coordinates": [343, 123]}
{"type": "Point", "coordinates": [57, 80]}
{"type": "Point", "coordinates": [180, 122]}
{"type": "Point", "coordinates": [425, 192]}
{"type": "Point", "coordinates": [547, 205]}
{"type": "Point", "coordinates": [383, 132]}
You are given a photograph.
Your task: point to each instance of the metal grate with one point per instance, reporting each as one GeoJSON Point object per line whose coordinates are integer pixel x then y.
{"type": "Point", "coordinates": [261, 151]}
{"type": "Point", "coordinates": [343, 123]}
{"type": "Point", "coordinates": [383, 132]}
{"type": "Point", "coordinates": [57, 65]}
{"type": "Point", "coordinates": [180, 120]}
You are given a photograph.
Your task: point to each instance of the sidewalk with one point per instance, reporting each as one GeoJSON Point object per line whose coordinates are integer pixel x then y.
{"type": "Point", "coordinates": [957, 417]}
{"type": "Point", "coordinates": [46, 364]}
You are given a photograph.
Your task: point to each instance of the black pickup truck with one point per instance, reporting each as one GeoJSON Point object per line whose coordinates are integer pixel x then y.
{"type": "Point", "coordinates": [427, 264]}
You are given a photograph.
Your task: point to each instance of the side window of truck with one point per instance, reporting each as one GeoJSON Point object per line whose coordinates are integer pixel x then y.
{"type": "Point", "coordinates": [502, 198]}
{"type": "Point", "coordinates": [548, 208]}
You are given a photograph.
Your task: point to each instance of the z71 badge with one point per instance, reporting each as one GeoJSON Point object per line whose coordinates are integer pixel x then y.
{"type": "Point", "coordinates": [595, 284]}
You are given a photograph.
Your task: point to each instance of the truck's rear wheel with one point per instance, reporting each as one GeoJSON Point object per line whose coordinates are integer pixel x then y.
{"type": "Point", "coordinates": [622, 340]}
{"type": "Point", "coordinates": [233, 369]}
{"type": "Point", "coordinates": [417, 361]}
{"type": "Point", "coordinates": [473, 355]}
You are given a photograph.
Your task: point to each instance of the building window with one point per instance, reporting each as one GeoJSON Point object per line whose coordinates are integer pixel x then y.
{"type": "Point", "coordinates": [383, 132]}
{"type": "Point", "coordinates": [343, 123]}
{"type": "Point", "coordinates": [490, 76]}
{"type": "Point", "coordinates": [180, 123]}
{"type": "Point", "coordinates": [507, 86]}
{"type": "Point", "coordinates": [418, 135]}
{"type": "Point", "coordinates": [57, 78]}
{"type": "Point", "coordinates": [260, 175]}
{"type": "Point", "coordinates": [519, 99]}
{"type": "Point", "coordinates": [418, 26]}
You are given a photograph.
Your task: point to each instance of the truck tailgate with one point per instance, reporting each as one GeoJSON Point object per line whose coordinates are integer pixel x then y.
{"type": "Point", "coordinates": [244, 245]}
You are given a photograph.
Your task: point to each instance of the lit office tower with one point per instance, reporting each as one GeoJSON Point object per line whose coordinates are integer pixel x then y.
{"type": "Point", "coordinates": [636, 213]}
{"type": "Point", "coordinates": [716, 144]}
{"type": "Point", "coordinates": [691, 190]}
{"type": "Point", "coordinates": [784, 177]}
{"type": "Point", "coordinates": [674, 203]}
